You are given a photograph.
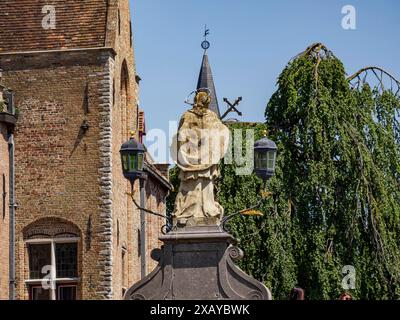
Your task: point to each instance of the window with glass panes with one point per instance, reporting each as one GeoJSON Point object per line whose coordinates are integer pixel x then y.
{"type": "Point", "coordinates": [56, 261]}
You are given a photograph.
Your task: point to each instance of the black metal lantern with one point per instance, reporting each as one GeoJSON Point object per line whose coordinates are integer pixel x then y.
{"type": "Point", "coordinates": [265, 151]}
{"type": "Point", "coordinates": [132, 156]}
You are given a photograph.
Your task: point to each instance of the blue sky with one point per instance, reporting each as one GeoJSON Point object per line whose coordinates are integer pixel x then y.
{"type": "Point", "coordinates": [251, 42]}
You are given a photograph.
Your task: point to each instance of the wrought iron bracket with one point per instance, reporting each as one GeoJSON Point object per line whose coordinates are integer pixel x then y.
{"type": "Point", "coordinates": [164, 228]}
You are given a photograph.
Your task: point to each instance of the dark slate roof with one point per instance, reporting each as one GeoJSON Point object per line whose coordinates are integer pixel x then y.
{"type": "Point", "coordinates": [206, 81]}
{"type": "Point", "coordinates": [79, 24]}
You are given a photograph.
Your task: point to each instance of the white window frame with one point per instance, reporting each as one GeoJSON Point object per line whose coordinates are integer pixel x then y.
{"type": "Point", "coordinates": [53, 275]}
{"type": "Point", "coordinates": [124, 257]}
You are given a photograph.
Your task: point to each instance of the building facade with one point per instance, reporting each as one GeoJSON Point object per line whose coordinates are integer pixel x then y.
{"type": "Point", "coordinates": [7, 124]}
{"type": "Point", "coordinates": [72, 69]}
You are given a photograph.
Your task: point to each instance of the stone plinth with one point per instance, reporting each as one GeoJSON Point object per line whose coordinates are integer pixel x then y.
{"type": "Point", "coordinates": [198, 263]}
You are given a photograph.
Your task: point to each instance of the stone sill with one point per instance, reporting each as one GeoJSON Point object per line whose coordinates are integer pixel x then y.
{"type": "Point", "coordinates": [63, 280]}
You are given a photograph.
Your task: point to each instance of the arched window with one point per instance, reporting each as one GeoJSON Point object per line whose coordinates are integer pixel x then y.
{"type": "Point", "coordinates": [53, 247]}
{"type": "Point", "coordinates": [124, 96]}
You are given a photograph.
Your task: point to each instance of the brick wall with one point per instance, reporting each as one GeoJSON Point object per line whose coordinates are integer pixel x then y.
{"type": "Point", "coordinates": [55, 93]}
{"type": "Point", "coordinates": [66, 172]}
{"type": "Point", "coordinates": [155, 202]}
{"type": "Point", "coordinates": [4, 213]}
{"type": "Point", "coordinates": [126, 218]}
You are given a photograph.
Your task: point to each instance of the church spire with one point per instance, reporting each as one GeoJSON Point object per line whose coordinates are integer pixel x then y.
{"type": "Point", "coordinates": [206, 80]}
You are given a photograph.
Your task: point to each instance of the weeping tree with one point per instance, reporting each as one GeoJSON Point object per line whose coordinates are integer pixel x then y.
{"type": "Point", "coordinates": [335, 198]}
{"type": "Point", "coordinates": [340, 173]}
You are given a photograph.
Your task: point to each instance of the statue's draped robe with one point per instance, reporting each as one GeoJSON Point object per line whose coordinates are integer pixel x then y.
{"type": "Point", "coordinates": [202, 142]}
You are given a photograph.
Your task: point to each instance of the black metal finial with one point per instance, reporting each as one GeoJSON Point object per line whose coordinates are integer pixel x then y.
{"type": "Point", "coordinates": [205, 44]}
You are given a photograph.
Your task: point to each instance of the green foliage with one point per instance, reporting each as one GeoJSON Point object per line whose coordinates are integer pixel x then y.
{"type": "Point", "coordinates": [339, 169]}
{"type": "Point", "coordinates": [336, 193]}
{"type": "Point", "coordinates": [265, 240]}
{"type": "Point", "coordinates": [174, 180]}
{"type": "Point", "coordinates": [2, 105]}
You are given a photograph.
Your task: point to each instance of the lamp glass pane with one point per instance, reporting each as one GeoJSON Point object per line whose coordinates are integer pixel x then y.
{"type": "Point", "coordinates": [125, 162]}
{"type": "Point", "coordinates": [140, 162]}
{"type": "Point", "coordinates": [257, 160]}
{"type": "Point", "coordinates": [261, 160]}
{"type": "Point", "coordinates": [132, 162]}
{"type": "Point", "coordinates": [271, 160]}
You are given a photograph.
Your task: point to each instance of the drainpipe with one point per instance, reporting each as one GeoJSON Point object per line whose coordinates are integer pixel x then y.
{"type": "Point", "coordinates": [142, 228]}
{"type": "Point", "coordinates": [12, 218]}
{"type": "Point", "coordinates": [11, 147]}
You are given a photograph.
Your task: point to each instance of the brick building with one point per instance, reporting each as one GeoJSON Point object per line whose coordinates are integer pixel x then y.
{"type": "Point", "coordinates": [7, 124]}
{"type": "Point", "coordinates": [71, 67]}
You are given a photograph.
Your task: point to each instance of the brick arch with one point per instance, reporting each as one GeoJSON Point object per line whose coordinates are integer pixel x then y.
{"type": "Point", "coordinates": [125, 75]}
{"type": "Point", "coordinates": [50, 228]}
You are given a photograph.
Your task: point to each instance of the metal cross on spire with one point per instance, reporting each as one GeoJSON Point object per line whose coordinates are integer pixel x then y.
{"type": "Point", "coordinates": [205, 44]}
{"type": "Point", "coordinates": [205, 81]}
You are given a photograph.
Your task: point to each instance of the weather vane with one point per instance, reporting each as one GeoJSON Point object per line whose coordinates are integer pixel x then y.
{"type": "Point", "coordinates": [205, 44]}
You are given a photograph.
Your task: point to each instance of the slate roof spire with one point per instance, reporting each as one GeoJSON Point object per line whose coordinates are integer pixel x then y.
{"type": "Point", "coordinates": [206, 78]}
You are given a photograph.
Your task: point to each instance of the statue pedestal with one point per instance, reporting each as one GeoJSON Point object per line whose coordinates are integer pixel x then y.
{"type": "Point", "coordinates": [198, 263]}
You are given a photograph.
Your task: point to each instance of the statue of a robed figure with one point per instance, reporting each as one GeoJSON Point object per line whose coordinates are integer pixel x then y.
{"type": "Point", "coordinates": [197, 259]}
{"type": "Point", "coordinates": [201, 143]}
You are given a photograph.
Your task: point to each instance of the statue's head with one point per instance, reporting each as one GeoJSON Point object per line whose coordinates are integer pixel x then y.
{"type": "Point", "coordinates": [202, 100]}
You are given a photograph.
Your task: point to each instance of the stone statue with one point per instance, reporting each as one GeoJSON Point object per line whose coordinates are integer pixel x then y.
{"type": "Point", "coordinates": [201, 143]}
{"type": "Point", "coordinates": [198, 251]}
